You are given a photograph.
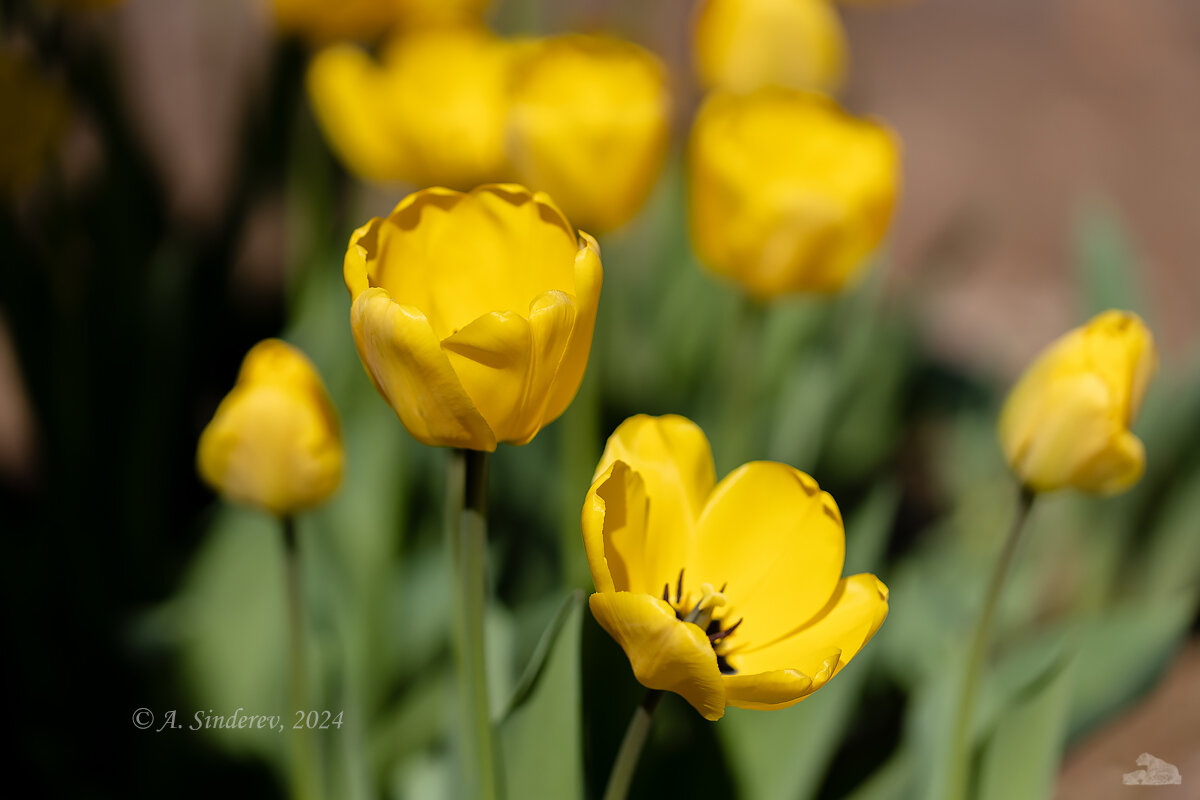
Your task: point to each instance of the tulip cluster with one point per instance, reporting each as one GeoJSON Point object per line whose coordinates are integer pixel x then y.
{"type": "Point", "coordinates": [473, 305]}
{"type": "Point", "coordinates": [583, 118]}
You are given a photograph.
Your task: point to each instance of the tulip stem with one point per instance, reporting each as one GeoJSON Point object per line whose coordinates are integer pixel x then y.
{"type": "Point", "coordinates": [739, 435]}
{"type": "Point", "coordinates": [305, 782]}
{"type": "Point", "coordinates": [960, 744]}
{"type": "Point", "coordinates": [631, 747]}
{"type": "Point", "coordinates": [467, 527]}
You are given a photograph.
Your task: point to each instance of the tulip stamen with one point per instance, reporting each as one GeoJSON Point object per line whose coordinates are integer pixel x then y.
{"type": "Point", "coordinates": [719, 634]}
{"type": "Point", "coordinates": [703, 614]}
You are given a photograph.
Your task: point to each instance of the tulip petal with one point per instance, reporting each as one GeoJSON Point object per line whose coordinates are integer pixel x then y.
{"type": "Point", "coordinates": [779, 688]}
{"type": "Point", "coordinates": [551, 324]}
{"type": "Point", "coordinates": [409, 368]}
{"type": "Point", "coordinates": [777, 540]}
{"type": "Point", "coordinates": [493, 358]}
{"type": "Point", "coordinates": [1120, 349]}
{"type": "Point", "coordinates": [588, 277]}
{"type": "Point", "coordinates": [674, 459]}
{"type": "Point", "coordinates": [459, 256]}
{"type": "Point", "coordinates": [1062, 431]}
{"type": "Point", "coordinates": [614, 531]}
{"type": "Point", "coordinates": [852, 616]}
{"type": "Point", "coordinates": [1116, 467]}
{"type": "Point", "coordinates": [665, 653]}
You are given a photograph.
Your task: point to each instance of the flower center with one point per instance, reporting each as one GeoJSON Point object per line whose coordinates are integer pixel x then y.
{"type": "Point", "coordinates": [708, 610]}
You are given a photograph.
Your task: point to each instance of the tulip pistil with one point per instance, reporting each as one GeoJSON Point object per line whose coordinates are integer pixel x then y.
{"type": "Point", "coordinates": [702, 615]}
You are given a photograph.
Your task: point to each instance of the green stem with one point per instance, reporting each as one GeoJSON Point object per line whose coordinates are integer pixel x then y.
{"type": "Point", "coordinates": [467, 528]}
{"type": "Point", "coordinates": [305, 781]}
{"type": "Point", "coordinates": [580, 432]}
{"type": "Point", "coordinates": [961, 742]}
{"type": "Point", "coordinates": [631, 747]}
{"type": "Point", "coordinates": [739, 438]}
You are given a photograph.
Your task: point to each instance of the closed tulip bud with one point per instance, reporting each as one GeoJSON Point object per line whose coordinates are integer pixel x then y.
{"type": "Point", "coordinates": [788, 193]}
{"type": "Point", "coordinates": [432, 111]}
{"type": "Point", "coordinates": [473, 313]}
{"type": "Point", "coordinates": [274, 442]}
{"type": "Point", "coordinates": [743, 45]}
{"type": "Point", "coordinates": [589, 125]}
{"type": "Point", "coordinates": [1066, 423]}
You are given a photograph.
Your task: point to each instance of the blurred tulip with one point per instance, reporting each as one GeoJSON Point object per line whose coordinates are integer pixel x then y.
{"type": "Point", "coordinates": [743, 45]}
{"type": "Point", "coordinates": [473, 313]}
{"type": "Point", "coordinates": [1066, 423]}
{"type": "Point", "coordinates": [589, 126]}
{"type": "Point", "coordinates": [33, 119]}
{"type": "Point", "coordinates": [274, 442]}
{"type": "Point", "coordinates": [433, 13]}
{"type": "Point", "coordinates": [787, 192]}
{"type": "Point", "coordinates": [661, 533]}
{"type": "Point", "coordinates": [431, 112]}
{"type": "Point", "coordinates": [323, 21]}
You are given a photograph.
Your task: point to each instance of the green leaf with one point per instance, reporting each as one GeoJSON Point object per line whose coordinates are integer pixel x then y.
{"type": "Point", "coordinates": [890, 782]}
{"type": "Point", "coordinates": [1105, 261]}
{"type": "Point", "coordinates": [541, 653]}
{"type": "Point", "coordinates": [1021, 757]}
{"type": "Point", "coordinates": [1171, 561]}
{"type": "Point", "coordinates": [541, 736]}
{"type": "Point", "coordinates": [1125, 650]}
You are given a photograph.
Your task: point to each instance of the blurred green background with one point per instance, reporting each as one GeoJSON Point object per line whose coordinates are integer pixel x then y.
{"type": "Point", "coordinates": [193, 209]}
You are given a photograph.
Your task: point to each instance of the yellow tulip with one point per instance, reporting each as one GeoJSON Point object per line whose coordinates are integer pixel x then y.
{"type": "Point", "coordinates": [473, 313]}
{"type": "Point", "coordinates": [743, 45]}
{"type": "Point", "coordinates": [589, 125]}
{"type": "Point", "coordinates": [274, 442]}
{"type": "Point", "coordinates": [322, 20]}
{"type": "Point", "coordinates": [787, 192]}
{"type": "Point", "coordinates": [1066, 423]}
{"type": "Point", "coordinates": [34, 114]}
{"type": "Point", "coordinates": [327, 20]}
{"type": "Point", "coordinates": [726, 593]}
{"type": "Point", "coordinates": [432, 111]}
{"type": "Point", "coordinates": [430, 13]}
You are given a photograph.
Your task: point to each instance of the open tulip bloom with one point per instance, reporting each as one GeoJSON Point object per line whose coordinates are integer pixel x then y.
{"type": "Point", "coordinates": [473, 313]}
{"type": "Point", "coordinates": [725, 593]}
